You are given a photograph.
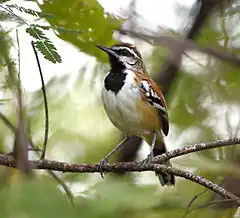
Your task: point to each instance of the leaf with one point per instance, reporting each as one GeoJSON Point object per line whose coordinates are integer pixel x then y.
{"type": "Point", "coordinates": [44, 45]}
{"type": "Point", "coordinates": [42, 26]}
{"type": "Point", "coordinates": [36, 33]}
{"type": "Point", "coordinates": [48, 50]}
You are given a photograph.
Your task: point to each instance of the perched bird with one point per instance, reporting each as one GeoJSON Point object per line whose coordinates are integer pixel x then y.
{"type": "Point", "coordinates": [134, 103]}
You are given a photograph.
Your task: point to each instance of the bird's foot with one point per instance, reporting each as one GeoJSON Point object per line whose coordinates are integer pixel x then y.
{"type": "Point", "coordinates": [101, 164]}
{"type": "Point", "coordinates": [147, 160]}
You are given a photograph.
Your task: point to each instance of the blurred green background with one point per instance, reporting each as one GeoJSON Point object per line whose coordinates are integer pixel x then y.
{"type": "Point", "coordinates": [203, 105]}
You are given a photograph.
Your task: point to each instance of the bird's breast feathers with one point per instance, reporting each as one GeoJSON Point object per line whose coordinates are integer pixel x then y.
{"type": "Point", "coordinates": [123, 108]}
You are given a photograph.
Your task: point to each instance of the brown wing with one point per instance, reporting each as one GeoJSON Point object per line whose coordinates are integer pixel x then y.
{"type": "Point", "coordinates": [155, 98]}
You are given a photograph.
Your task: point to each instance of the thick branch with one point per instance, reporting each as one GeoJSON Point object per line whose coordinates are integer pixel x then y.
{"type": "Point", "coordinates": [120, 167]}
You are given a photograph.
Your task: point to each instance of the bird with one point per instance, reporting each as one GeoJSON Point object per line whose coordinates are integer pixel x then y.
{"type": "Point", "coordinates": [135, 104]}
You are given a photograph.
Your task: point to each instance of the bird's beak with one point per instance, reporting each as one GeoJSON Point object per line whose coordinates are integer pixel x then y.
{"type": "Point", "coordinates": [108, 50]}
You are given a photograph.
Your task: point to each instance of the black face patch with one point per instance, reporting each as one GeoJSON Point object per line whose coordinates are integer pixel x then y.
{"type": "Point", "coordinates": [114, 81]}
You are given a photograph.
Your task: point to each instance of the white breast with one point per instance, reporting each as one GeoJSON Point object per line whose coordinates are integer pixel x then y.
{"type": "Point", "coordinates": [121, 107]}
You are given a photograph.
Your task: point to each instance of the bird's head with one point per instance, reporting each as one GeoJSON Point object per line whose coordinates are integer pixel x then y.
{"type": "Point", "coordinates": [123, 56]}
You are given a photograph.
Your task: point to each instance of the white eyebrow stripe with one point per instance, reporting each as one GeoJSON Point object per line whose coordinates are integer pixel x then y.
{"type": "Point", "coordinates": [130, 50]}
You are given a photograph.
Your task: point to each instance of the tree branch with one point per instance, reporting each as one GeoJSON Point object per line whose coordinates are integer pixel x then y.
{"type": "Point", "coordinates": [202, 206]}
{"type": "Point", "coordinates": [195, 148]}
{"type": "Point", "coordinates": [136, 166]}
{"type": "Point", "coordinates": [181, 45]}
{"type": "Point", "coordinates": [120, 167]}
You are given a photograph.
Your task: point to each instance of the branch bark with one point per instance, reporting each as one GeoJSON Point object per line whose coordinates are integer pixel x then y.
{"type": "Point", "coordinates": [121, 167]}
{"type": "Point", "coordinates": [195, 148]}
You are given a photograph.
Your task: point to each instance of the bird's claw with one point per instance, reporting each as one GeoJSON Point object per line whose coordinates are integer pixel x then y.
{"type": "Point", "coordinates": [147, 160]}
{"type": "Point", "coordinates": [101, 164]}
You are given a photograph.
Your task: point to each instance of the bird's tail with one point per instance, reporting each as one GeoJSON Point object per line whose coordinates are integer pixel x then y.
{"type": "Point", "coordinates": [160, 148]}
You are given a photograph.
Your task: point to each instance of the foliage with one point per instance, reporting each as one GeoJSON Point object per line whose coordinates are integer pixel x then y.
{"type": "Point", "coordinates": [85, 16]}
{"type": "Point", "coordinates": [43, 44]}
{"type": "Point", "coordinates": [91, 12]}
{"type": "Point", "coordinates": [30, 11]}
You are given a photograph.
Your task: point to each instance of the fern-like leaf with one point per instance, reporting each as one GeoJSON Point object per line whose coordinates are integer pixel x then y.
{"type": "Point", "coordinates": [36, 33]}
{"type": "Point", "coordinates": [30, 11]}
{"type": "Point", "coordinates": [44, 27]}
{"type": "Point", "coordinates": [48, 50]}
{"type": "Point", "coordinates": [43, 44]}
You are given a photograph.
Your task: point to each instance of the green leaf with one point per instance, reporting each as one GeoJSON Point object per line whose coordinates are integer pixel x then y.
{"type": "Point", "coordinates": [48, 50]}
{"type": "Point", "coordinates": [36, 33]}
{"type": "Point", "coordinates": [88, 18]}
{"type": "Point", "coordinates": [44, 45]}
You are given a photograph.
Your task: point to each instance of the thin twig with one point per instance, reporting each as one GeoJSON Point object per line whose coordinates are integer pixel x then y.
{"type": "Point", "coordinates": [194, 60]}
{"type": "Point", "coordinates": [7, 122]}
{"type": "Point", "coordinates": [121, 167]}
{"type": "Point", "coordinates": [191, 202]}
{"type": "Point", "coordinates": [19, 62]}
{"type": "Point", "coordinates": [209, 204]}
{"type": "Point", "coordinates": [195, 148]}
{"type": "Point", "coordinates": [45, 104]}
{"type": "Point", "coordinates": [224, 29]}
{"type": "Point", "coordinates": [196, 197]}
{"type": "Point", "coordinates": [64, 186]}
{"type": "Point", "coordinates": [13, 129]}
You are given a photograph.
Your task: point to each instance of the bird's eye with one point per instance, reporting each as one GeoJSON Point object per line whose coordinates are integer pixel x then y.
{"type": "Point", "coordinates": [125, 52]}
